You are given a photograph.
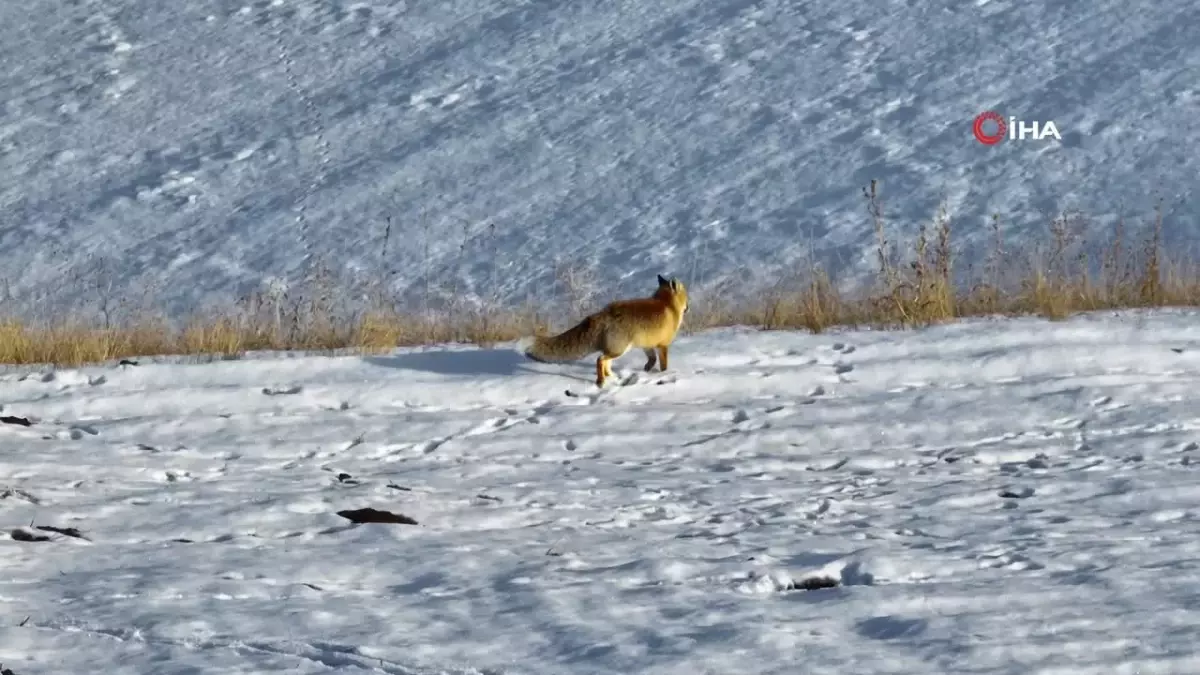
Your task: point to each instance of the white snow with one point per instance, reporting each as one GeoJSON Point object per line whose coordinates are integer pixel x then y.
{"type": "Point", "coordinates": [247, 136]}
{"type": "Point", "coordinates": [993, 497]}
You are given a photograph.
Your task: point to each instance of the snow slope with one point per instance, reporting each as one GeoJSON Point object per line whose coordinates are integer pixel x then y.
{"type": "Point", "coordinates": [1015, 497]}
{"type": "Point", "coordinates": [196, 147]}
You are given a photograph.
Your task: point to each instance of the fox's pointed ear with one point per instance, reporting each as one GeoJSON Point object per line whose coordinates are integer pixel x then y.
{"type": "Point", "coordinates": [662, 281]}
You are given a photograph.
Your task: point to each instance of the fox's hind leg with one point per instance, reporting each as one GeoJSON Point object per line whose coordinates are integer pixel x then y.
{"type": "Point", "coordinates": [609, 352]}
{"type": "Point", "coordinates": [604, 368]}
{"type": "Point", "coordinates": [651, 359]}
{"type": "Point", "coordinates": [662, 357]}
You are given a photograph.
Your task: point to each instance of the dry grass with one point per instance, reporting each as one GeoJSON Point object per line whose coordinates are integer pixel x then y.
{"type": "Point", "coordinates": [919, 286]}
{"type": "Point", "coordinates": [73, 344]}
{"type": "Point", "coordinates": [914, 285]}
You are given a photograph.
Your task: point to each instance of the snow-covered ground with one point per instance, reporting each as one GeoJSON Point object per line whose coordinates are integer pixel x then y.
{"type": "Point", "coordinates": [991, 497]}
{"type": "Point", "coordinates": [192, 148]}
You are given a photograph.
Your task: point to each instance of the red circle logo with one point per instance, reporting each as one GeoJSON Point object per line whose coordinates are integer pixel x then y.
{"type": "Point", "coordinates": [984, 137]}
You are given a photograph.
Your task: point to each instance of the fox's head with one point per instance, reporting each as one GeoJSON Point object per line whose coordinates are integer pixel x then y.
{"type": "Point", "coordinates": [673, 292]}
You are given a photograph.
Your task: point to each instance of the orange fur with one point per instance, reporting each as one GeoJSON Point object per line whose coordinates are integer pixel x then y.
{"type": "Point", "coordinates": [649, 324]}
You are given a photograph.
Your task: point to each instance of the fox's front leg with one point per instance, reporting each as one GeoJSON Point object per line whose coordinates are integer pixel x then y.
{"type": "Point", "coordinates": [662, 357]}
{"type": "Point", "coordinates": [601, 370]}
{"type": "Point", "coordinates": [651, 359]}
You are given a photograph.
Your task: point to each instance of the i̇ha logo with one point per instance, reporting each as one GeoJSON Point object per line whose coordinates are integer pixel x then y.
{"type": "Point", "coordinates": [990, 128]}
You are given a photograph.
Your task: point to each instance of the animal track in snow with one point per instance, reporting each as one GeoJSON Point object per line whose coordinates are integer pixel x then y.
{"type": "Point", "coordinates": [497, 424]}
{"type": "Point", "coordinates": [1007, 559]}
{"type": "Point", "coordinates": [105, 37]}
{"type": "Point", "coordinates": [1107, 404]}
{"type": "Point", "coordinates": [843, 348]}
{"type": "Point", "coordinates": [491, 425]}
{"type": "Point", "coordinates": [1017, 492]}
{"type": "Point", "coordinates": [611, 387]}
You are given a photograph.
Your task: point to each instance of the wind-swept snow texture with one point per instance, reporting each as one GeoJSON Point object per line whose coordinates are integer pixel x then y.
{"type": "Point", "coordinates": [1016, 497]}
{"type": "Point", "coordinates": [197, 147]}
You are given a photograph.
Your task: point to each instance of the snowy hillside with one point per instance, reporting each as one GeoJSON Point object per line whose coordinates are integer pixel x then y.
{"type": "Point", "coordinates": [986, 497]}
{"type": "Point", "coordinates": [195, 147]}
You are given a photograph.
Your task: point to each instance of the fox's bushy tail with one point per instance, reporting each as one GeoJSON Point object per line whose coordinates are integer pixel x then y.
{"type": "Point", "coordinates": [573, 343]}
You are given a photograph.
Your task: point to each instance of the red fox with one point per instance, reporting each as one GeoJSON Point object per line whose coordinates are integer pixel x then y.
{"type": "Point", "coordinates": [646, 323]}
